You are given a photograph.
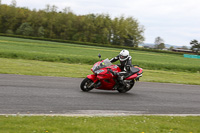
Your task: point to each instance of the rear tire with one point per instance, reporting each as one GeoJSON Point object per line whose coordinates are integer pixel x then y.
{"type": "Point", "coordinates": [125, 89]}
{"type": "Point", "coordinates": [86, 85]}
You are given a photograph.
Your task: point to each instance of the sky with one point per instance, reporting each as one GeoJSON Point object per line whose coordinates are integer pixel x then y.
{"type": "Point", "coordinates": [177, 22]}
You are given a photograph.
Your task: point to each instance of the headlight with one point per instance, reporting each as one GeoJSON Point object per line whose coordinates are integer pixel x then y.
{"type": "Point", "coordinates": [99, 71]}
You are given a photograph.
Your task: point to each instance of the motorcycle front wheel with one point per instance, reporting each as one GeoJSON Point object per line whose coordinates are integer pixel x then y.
{"type": "Point", "coordinates": [86, 85]}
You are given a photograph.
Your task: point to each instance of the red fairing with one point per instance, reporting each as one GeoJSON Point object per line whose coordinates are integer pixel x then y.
{"type": "Point", "coordinates": [107, 84]}
{"type": "Point", "coordinates": [107, 79]}
{"type": "Point", "coordinates": [92, 77]}
{"type": "Point", "coordinates": [115, 68]}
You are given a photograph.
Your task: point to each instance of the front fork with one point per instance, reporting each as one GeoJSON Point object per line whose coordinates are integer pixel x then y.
{"type": "Point", "coordinates": [93, 77]}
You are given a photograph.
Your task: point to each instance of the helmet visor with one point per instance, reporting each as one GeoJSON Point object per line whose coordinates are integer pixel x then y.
{"type": "Point", "coordinates": [123, 57]}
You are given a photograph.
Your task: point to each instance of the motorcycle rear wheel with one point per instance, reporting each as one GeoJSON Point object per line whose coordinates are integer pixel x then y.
{"type": "Point", "coordinates": [86, 85]}
{"type": "Point", "coordinates": [125, 89]}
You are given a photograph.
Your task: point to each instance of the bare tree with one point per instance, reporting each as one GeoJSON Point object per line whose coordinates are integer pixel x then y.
{"type": "Point", "coordinates": [159, 43]}
{"type": "Point", "coordinates": [158, 40]}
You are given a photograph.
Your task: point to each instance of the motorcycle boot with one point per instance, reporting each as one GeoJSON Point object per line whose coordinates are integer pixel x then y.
{"type": "Point", "coordinates": [121, 79]}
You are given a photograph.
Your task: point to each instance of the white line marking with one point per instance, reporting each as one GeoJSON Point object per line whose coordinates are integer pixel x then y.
{"type": "Point", "coordinates": [92, 113]}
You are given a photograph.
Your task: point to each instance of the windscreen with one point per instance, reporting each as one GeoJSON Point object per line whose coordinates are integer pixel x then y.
{"type": "Point", "coordinates": [103, 64]}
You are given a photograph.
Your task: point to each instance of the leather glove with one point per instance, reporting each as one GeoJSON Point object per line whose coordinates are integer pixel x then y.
{"type": "Point", "coordinates": [114, 73]}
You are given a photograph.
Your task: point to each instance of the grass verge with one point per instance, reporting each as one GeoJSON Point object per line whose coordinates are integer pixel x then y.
{"type": "Point", "coordinates": [125, 124]}
{"type": "Point", "coordinates": [41, 68]}
{"type": "Point", "coordinates": [17, 48]}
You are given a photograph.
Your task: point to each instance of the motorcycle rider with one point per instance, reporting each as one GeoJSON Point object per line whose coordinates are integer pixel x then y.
{"type": "Point", "coordinates": [125, 65]}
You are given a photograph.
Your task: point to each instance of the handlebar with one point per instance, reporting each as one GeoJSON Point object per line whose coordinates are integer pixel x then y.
{"type": "Point", "coordinates": [111, 71]}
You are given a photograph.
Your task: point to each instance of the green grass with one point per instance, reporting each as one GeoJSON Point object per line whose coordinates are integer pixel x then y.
{"type": "Point", "coordinates": [31, 57]}
{"type": "Point", "coordinates": [42, 68]}
{"type": "Point", "coordinates": [126, 124]}
{"type": "Point", "coordinates": [72, 53]}
{"type": "Point", "coordinates": [44, 58]}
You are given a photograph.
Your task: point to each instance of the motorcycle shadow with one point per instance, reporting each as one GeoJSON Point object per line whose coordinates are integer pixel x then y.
{"type": "Point", "coordinates": [101, 92]}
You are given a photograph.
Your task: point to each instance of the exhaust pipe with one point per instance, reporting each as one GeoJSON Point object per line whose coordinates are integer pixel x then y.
{"type": "Point", "coordinates": [138, 77]}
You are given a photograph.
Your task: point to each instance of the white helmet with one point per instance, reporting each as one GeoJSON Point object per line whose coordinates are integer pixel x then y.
{"type": "Point", "coordinates": [123, 55]}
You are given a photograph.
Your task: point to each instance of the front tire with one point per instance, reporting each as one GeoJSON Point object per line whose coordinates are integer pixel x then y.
{"type": "Point", "coordinates": [86, 85]}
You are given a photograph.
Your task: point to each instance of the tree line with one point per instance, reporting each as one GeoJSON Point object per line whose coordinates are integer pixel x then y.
{"type": "Point", "coordinates": [66, 25]}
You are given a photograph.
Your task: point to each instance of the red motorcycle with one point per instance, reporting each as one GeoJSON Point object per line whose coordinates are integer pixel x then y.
{"type": "Point", "coordinates": [104, 79]}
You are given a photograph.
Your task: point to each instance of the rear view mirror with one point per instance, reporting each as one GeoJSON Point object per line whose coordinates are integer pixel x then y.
{"type": "Point", "coordinates": [99, 56]}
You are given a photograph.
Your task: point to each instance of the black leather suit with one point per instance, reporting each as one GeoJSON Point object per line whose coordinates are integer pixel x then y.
{"type": "Point", "coordinates": [125, 66]}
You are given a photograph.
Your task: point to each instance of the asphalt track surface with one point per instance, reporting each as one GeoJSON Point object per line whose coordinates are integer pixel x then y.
{"type": "Point", "coordinates": [21, 94]}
